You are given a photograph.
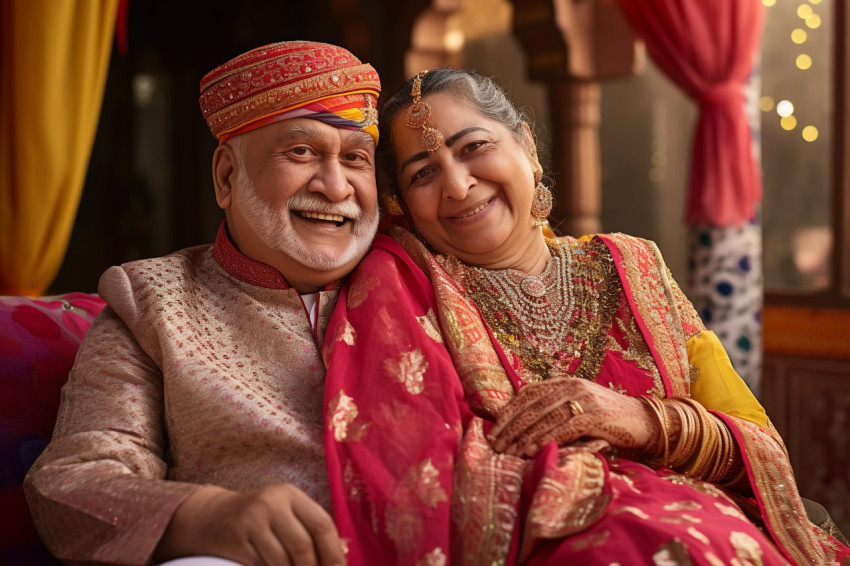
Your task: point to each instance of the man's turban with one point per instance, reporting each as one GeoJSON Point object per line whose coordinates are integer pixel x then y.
{"type": "Point", "coordinates": [288, 80]}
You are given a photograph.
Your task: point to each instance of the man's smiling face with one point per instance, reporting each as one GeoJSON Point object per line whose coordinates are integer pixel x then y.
{"type": "Point", "coordinates": [302, 198]}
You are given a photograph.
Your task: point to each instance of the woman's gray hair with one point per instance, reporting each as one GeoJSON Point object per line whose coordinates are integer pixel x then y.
{"type": "Point", "coordinates": [480, 92]}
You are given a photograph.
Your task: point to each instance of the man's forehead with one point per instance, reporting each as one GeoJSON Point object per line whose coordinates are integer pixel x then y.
{"type": "Point", "coordinates": [310, 129]}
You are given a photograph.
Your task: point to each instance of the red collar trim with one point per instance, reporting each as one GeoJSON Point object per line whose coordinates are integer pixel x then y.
{"type": "Point", "coordinates": [246, 269]}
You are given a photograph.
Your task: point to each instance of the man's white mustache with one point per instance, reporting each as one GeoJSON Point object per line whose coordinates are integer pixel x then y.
{"type": "Point", "coordinates": [346, 208]}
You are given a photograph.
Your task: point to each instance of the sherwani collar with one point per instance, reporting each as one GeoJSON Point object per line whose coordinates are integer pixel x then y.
{"type": "Point", "coordinates": [248, 270]}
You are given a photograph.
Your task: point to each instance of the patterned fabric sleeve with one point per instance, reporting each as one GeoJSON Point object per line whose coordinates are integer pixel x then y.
{"type": "Point", "coordinates": [97, 493]}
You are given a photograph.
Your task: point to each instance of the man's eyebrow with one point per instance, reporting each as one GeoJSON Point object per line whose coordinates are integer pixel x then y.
{"type": "Point", "coordinates": [449, 142]}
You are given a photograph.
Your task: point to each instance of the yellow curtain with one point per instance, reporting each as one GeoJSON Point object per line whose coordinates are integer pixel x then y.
{"type": "Point", "coordinates": [55, 55]}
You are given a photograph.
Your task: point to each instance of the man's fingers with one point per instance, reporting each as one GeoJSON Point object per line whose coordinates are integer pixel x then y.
{"type": "Point", "coordinates": [324, 537]}
{"type": "Point", "coordinates": [270, 550]}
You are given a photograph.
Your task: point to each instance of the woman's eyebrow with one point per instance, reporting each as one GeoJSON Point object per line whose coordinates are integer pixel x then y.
{"type": "Point", "coordinates": [449, 142]}
{"type": "Point", "coordinates": [412, 158]}
{"type": "Point", "coordinates": [452, 139]}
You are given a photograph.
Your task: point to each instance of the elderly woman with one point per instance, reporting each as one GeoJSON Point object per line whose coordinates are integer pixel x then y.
{"type": "Point", "coordinates": [495, 396]}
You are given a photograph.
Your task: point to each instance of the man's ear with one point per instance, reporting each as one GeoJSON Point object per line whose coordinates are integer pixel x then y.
{"type": "Point", "coordinates": [223, 164]}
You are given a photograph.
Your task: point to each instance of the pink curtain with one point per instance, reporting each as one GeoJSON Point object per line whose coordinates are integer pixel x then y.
{"type": "Point", "coordinates": [707, 48]}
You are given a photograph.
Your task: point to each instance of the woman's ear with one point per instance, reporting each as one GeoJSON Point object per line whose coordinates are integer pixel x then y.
{"type": "Point", "coordinates": [223, 169]}
{"type": "Point", "coordinates": [531, 147]}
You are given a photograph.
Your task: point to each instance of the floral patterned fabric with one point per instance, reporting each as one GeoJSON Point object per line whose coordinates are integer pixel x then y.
{"type": "Point", "coordinates": [39, 339]}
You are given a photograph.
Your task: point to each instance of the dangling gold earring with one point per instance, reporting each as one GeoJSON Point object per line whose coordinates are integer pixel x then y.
{"type": "Point", "coordinates": [541, 204]}
{"type": "Point", "coordinates": [392, 206]}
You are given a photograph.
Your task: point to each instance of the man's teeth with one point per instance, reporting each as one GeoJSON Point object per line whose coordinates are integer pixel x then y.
{"type": "Point", "coordinates": [323, 216]}
{"type": "Point", "coordinates": [475, 210]}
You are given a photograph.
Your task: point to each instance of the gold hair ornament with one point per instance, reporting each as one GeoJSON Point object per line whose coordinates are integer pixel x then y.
{"type": "Point", "coordinates": [418, 114]}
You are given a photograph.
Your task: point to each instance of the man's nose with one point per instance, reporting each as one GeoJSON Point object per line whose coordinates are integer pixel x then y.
{"type": "Point", "coordinates": [331, 181]}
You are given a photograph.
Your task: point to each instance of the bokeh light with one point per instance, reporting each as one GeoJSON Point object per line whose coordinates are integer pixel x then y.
{"type": "Point", "coordinates": [804, 11]}
{"type": "Point", "coordinates": [784, 108]}
{"type": "Point", "coordinates": [810, 133]}
{"type": "Point", "coordinates": [766, 103]}
{"type": "Point", "coordinates": [788, 123]}
{"type": "Point", "coordinates": [813, 21]}
{"type": "Point", "coordinates": [799, 36]}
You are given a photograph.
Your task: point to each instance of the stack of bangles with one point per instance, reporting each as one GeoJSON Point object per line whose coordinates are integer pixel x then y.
{"type": "Point", "coordinates": [702, 448]}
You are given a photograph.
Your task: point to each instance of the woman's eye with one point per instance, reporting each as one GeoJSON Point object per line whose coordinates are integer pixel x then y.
{"type": "Point", "coordinates": [473, 146]}
{"type": "Point", "coordinates": [420, 174]}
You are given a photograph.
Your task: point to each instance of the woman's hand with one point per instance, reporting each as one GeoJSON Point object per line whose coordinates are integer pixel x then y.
{"type": "Point", "coordinates": [565, 409]}
{"type": "Point", "coordinates": [277, 524]}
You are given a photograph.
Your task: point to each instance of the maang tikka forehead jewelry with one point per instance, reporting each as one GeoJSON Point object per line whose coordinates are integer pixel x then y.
{"type": "Point", "coordinates": [418, 114]}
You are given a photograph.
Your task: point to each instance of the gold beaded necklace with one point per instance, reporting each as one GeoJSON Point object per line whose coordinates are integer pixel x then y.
{"type": "Point", "coordinates": [555, 322]}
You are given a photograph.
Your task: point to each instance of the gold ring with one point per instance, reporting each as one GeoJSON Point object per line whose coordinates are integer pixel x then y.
{"type": "Point", "coordinates": [575, 408]}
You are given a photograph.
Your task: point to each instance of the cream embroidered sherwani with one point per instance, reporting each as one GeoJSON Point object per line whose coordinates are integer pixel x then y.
{"type": "Point", "coordinates": [202, 369]}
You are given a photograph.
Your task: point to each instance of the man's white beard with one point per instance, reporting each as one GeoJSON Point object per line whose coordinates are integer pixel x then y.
{"type": "Point", "coordinates": [274, 227]}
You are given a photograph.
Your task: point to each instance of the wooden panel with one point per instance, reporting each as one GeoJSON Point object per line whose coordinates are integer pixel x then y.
{"type": "Point", "coordinates": [809, 401]}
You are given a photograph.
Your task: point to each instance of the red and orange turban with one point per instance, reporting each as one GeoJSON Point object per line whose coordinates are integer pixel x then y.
{"type": "Point", "coordinates": [290, 79]}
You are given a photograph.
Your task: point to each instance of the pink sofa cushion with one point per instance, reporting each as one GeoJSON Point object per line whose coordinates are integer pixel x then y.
{"type": "Point", "coordinates": [39, 339]}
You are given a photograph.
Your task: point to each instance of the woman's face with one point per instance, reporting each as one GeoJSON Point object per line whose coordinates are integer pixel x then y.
{"type": "Point", "coordinates": [472, 197]}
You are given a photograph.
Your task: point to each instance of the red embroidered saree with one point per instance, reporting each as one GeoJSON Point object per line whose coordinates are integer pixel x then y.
{"type": "Point", "coordinates": [416, 377]}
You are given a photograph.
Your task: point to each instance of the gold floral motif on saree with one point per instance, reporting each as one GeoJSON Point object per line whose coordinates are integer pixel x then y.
{"type": "Point", "coordinates": [409, 370]}
{"type": "Point", "coordinates": [431, 325]}
{"type": "Point", "coordinates": [424, 480]}
{"type": "Point", "coordinates": [434, 558]}
{"type": "Point", "coordinates": [591, 540]}
{"type": "Point", "coordinates": [746, 548]}
{"type": "Point", "coordinates": [342, 411]}
{"type": "Point", "coordinates": [360, 289]}
{"type": "Point", "coordinates": [699, 536]}
{"type": "Point", "coordinates": [673, 553]}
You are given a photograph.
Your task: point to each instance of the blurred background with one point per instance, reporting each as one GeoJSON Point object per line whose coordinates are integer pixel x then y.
{"type": "Point", "coordinates": [616, 131]}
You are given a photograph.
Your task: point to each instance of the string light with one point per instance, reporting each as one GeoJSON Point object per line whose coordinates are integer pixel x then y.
{"type": "Point", "coordinates": [799, 36]}
{"type": "Point", "coordinates": [810, 133]}
{"type": "Point", "coordinates": [804, 62]}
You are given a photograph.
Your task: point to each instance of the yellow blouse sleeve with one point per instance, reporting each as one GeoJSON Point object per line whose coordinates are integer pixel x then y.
{"type": "Point", "coordinates": [718, 386]}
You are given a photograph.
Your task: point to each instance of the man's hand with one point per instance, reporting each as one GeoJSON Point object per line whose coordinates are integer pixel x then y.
{"type": "Point", "coordinates": [271, 526]}
{"type": "Point", "coordinates": [565, 409]}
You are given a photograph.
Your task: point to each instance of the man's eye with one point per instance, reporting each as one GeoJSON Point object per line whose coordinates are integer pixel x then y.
{"type": "Point", "coordinates": [300, 151]}
{"type": "Point", "coordinates": [354, 157]}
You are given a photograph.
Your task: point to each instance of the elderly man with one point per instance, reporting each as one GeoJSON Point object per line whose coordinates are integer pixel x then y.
{"type": "Point", "coordinates": [192, 421]}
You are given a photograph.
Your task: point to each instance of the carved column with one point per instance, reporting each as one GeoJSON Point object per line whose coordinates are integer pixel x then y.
{"type": "Point", "coordinates": [571, 46]}
{"type": "Point", "coordinates": [574, 111]}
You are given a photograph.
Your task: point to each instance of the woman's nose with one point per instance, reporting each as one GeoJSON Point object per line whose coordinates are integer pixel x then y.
{"type": "Point", "coordinates": [456, 182]}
